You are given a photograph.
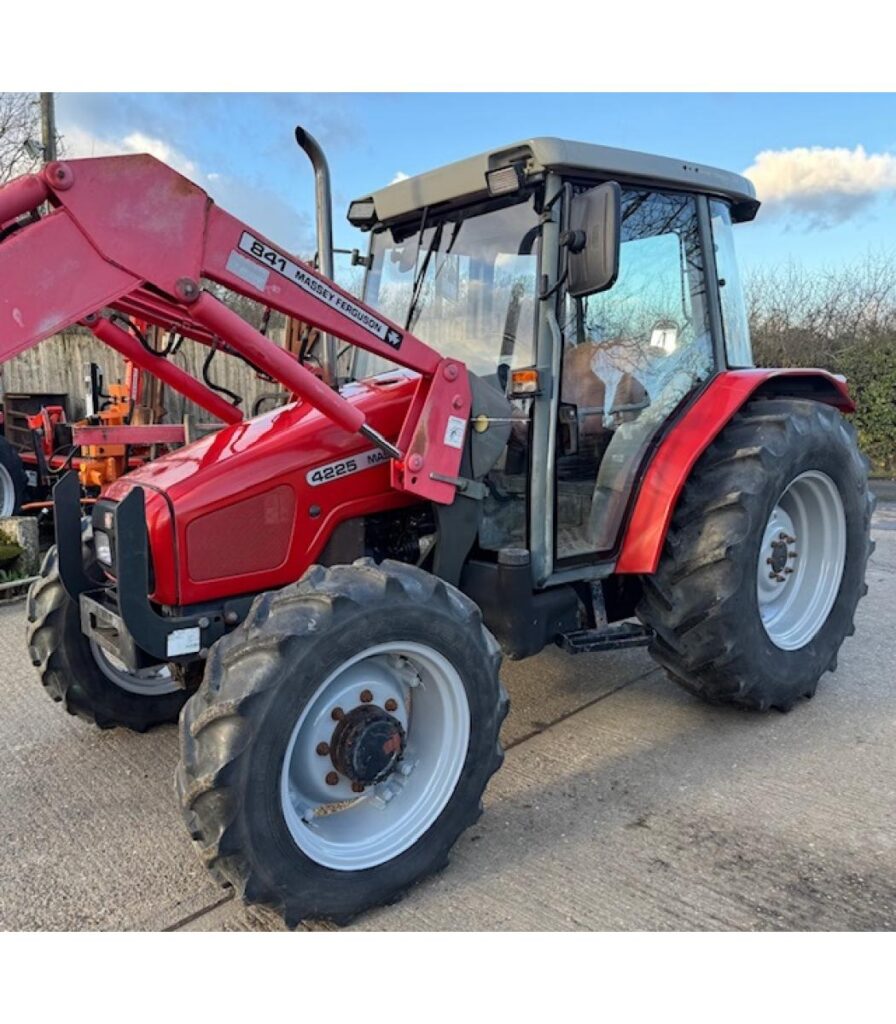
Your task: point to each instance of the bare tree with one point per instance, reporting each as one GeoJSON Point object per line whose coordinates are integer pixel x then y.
{"type": "Point", "coordinates": [802, 317]}
{"type": "Point", "coordinates": [19, 126]}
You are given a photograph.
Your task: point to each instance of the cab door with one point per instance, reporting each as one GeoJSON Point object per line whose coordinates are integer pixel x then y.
{"type": "Point", "coordinates": [631, 355]}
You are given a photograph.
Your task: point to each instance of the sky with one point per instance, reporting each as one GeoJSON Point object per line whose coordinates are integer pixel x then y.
{"type": "Point", "coordinates": [823, 164]}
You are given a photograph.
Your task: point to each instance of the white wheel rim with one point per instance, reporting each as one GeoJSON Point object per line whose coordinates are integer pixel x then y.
{"type": "Point", "coordinates": [347, 830]}
{"type": "Point", "coordinates": [801, 560]}
{"type": "Point", "coordinates": [152, 682]}
{"type": "Point", "coordinates": [7, 493]}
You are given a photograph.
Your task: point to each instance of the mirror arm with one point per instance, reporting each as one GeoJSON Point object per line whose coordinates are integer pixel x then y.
{"type": "Point", "coordinates": [546, 292]}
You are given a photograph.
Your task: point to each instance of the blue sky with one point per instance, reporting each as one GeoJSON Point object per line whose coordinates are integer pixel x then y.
{"type": "Point", "coordinates": [827, 169]}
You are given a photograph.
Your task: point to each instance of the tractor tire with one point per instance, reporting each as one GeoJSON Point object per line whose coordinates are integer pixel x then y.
{"type": "Point", "coordinates": [78, 673]}
{"type": "Point", "coordinates": [764, 562]}
{"type": "Point", "coordinates": [12, 479]}
{"type": "Point", "coordinates": [341, 740]}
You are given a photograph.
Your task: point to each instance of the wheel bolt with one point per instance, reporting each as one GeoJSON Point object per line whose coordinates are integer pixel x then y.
{"type": "Point", "coordinates": [391, 704]}
{"type": "Point", "coordinates": [336, 714]}
{"type": "Point", "coordinates": [366, 696]}
{"type": "Point", "coordinates": [332, 779]}
{"type": "Point", "coordinates": [793, 554]}
{"type": "Point", "coordinates": [357, 787]}
{"type": "Point", "coordinates": [323, 749]}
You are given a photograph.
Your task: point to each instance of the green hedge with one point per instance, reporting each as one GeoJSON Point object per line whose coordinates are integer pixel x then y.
{"type": "Point", "coordinates": [870, 368]}
{"type": "Point", "coordinates": [869, 364]}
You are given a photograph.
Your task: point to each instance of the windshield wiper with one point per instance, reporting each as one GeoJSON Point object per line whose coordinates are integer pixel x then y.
{"type": "Point", "coordinates": [421, 272]}
{"type": "Point", "coordinates": [418, 281]}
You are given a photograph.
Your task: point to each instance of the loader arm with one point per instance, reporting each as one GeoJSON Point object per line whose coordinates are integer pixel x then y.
{"type": "Point", "coordinates": [132, 235]}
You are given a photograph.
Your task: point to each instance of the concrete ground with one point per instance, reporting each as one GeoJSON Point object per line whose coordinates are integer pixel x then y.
{"type": "Point", "coordinates": [623, 803]}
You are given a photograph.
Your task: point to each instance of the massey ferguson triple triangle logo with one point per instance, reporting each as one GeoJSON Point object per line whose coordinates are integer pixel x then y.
{"type": "Point", "coordinates": [320, 289]}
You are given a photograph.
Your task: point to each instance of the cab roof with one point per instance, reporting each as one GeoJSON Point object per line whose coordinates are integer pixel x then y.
{"type": "Point", "coordinates": [464, 180]}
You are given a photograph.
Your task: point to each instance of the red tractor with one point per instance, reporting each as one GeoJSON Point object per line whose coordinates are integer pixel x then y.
{"type": "Point", "coordinates": [322, 593]}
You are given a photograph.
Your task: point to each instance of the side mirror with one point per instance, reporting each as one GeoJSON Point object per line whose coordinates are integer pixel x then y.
{"type": "Point", "coordinates": [593, 240]}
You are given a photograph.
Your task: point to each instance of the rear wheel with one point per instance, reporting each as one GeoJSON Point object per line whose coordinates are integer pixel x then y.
{"type": "Point", "coordinates": [342, 739]}
{"type": "Point", "coordinates": [90, 682]}
{"type": "Point", "coordinates": [765, 559]}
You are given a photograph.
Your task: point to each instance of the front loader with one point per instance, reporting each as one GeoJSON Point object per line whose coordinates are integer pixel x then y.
{"type": "Point", "coordinates": [552, 434]}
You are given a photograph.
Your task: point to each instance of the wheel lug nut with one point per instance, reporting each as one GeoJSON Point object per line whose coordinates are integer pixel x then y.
{"type": "Point", "coordinates": [366, 696]}
{"type": "Point", "coordinates": [323, 749]}
{"type": "Point", "coordinates": [793, 554]}
{"type": "Point", "coordinates": [336, 714]}
{"type": "Point", "coordinates": [391, 704]}
{"type": "Point", "coordinates": [332, 778]}
{"type": "Point", "coordinates": [357, 787]}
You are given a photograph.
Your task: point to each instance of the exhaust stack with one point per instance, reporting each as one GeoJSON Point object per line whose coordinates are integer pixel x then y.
{"type": "Point", "coordinates": [323, 205]}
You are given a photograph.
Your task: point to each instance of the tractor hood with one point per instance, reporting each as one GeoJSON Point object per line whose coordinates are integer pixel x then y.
{"type": "Point", "coordinates": [251, 506]}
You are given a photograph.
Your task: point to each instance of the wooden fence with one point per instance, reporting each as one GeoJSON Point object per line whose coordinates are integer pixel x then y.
{"type": "Point", "coordinates": [57, 365]}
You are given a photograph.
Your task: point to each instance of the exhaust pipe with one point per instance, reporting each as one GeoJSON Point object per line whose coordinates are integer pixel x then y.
{"type": "Point", "coordinates": [324, 217]}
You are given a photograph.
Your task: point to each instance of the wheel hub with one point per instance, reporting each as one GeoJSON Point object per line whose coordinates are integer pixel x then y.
{"type": "Point", "coordinates": [801, 560]}
{"type": "Point", "coordinates": [395, 714]}
{"type": "Point", "coordinates": [780, 555]}
{"type": "Point", "coordinates": [367, 744]}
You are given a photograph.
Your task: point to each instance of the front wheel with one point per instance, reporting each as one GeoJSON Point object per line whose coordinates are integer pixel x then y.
{"type": "Point", "coordinates": [765, 558]}
{"type": "Point", "coordinates": [89, 682]}
{"type": "Point", "coordinates": [342, 739]}
{"type": "Point", "coordinates": [12, 479]}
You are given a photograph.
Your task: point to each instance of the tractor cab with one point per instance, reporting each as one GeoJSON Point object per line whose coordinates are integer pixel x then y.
{"type": "Point", "coordinates": [595, 288]}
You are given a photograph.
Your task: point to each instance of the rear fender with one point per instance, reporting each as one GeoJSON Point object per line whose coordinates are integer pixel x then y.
{"type": "Point", "coordinates": [685, 442]}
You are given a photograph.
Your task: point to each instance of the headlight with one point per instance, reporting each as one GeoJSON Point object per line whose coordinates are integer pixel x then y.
{"type": "Point", "coordinates": [502, 180]}
{"type": "Point", "coordinates": [102, 545]}
{"type": "Point", "coordinates": [362, 214]}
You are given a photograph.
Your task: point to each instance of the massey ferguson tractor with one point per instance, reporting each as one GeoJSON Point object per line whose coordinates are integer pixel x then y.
{"type": "Point", "coordinates": [552, 433]}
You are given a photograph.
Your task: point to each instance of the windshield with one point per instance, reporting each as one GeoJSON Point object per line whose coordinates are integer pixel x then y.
{"type": "Point", "coordinates": [466, 285]}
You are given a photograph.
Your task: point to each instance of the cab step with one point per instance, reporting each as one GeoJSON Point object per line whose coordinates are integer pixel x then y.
{"type": "Point", "coordinates": [605, 638]}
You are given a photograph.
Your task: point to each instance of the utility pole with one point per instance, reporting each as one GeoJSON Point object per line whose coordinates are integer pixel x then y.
{"type": "Point", "coordinates": [48, 126]}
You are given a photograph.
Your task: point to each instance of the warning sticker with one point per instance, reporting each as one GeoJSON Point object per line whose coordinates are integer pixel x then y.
{"type": "Point", "coordinates": [454, 432]}
{"type": "Point", "coordinates": [183, 641]}
{"type": "Point", "coordinates": [313, 285]}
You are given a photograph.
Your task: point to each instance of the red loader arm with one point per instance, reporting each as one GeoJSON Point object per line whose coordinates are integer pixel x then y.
{"type": "Point", "coordinates": [131, 234]}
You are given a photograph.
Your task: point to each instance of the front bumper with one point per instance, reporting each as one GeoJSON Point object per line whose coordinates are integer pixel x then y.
{"type": "Point", "coordinates": [119, 615]}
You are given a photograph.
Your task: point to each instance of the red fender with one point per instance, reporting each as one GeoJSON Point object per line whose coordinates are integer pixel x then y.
{"type": "Point", "coordinates": [704, 419]}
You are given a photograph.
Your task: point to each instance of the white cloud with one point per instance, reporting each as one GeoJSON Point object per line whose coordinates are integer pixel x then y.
{"type": "Point", "coordinates": [821, 185]}
{"type": "Point", "coordinates": [399, 176]}
{"type": "Point", "coordinates": [80, 143]}
{"type": "Point", "coordinates": [137, 142]}
{"type": "Point", "coordinates": [261, 208]}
